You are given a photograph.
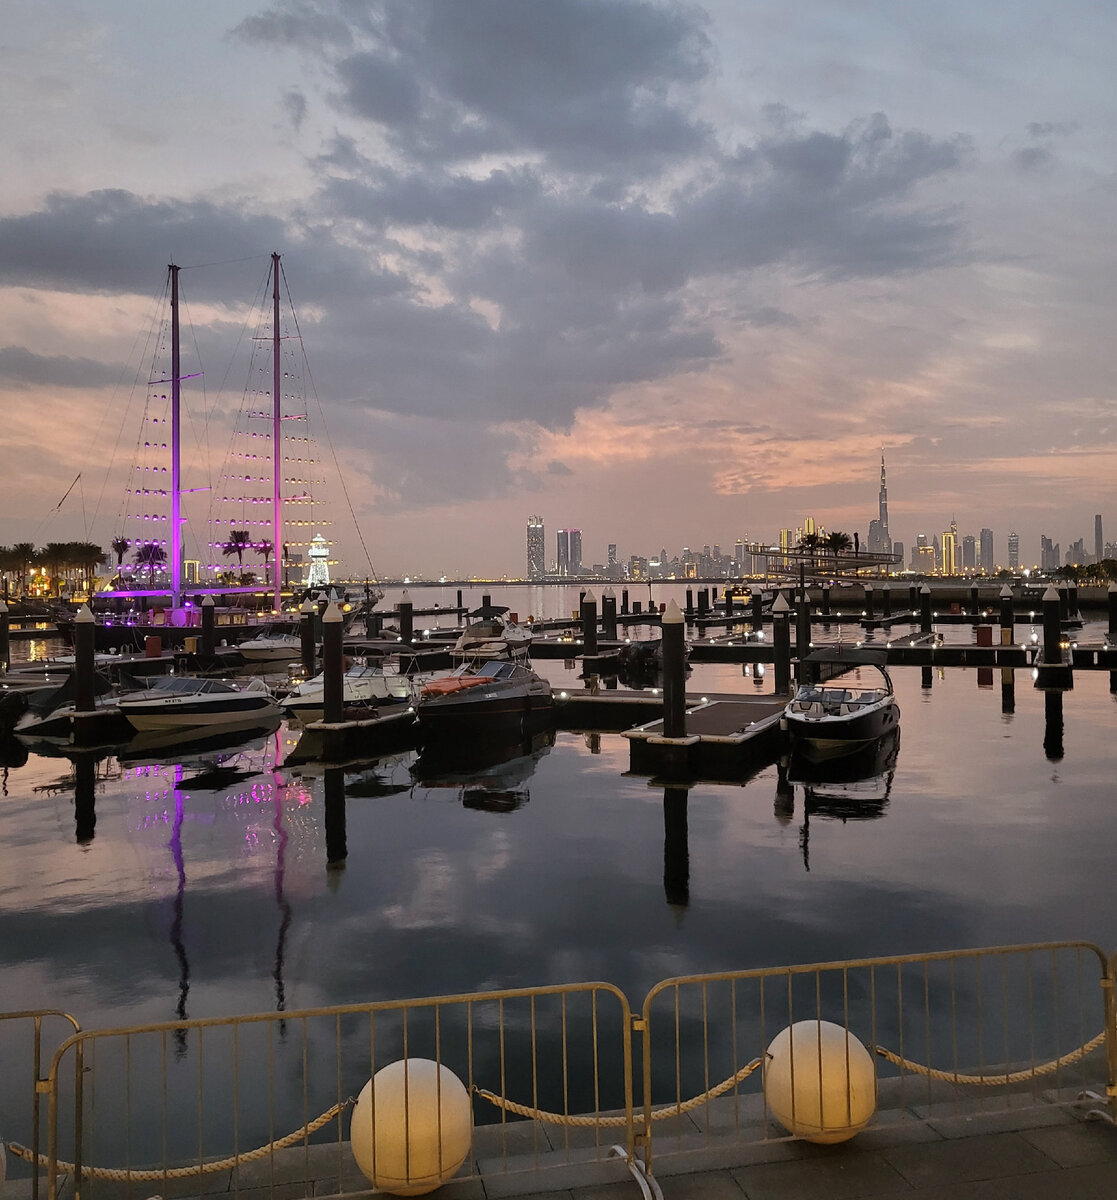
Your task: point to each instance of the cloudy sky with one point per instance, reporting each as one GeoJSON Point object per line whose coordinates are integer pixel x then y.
{"type": "Point", "coordinates": [672, 273]}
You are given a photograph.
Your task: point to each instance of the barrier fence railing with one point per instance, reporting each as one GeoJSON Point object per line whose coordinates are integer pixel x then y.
{"type": "Point", "coordinates": [549, 1082]}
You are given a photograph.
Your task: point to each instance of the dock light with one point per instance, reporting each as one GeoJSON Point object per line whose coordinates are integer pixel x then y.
{"type": "Point", "coordinates": [704, 700]}
{"type": "Point", "coordinates": [562, 695]}
{"type": "Point", "coordinates": [819, 1082]}
{"type": "Point", "coordinates": [412, 1127]}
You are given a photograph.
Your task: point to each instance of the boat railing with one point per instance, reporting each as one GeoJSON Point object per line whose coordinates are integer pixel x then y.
{"type": "Point", "coordinates": [558, 1080]}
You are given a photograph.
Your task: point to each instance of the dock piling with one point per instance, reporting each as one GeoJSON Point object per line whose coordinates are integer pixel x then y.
{"type": "Point", "coordinates": [925, 622]}
{"type": "Point", "coordinates": [407, 618]}
{"type": "Point", "coordinates": [209, 631]}
{"type": "Point", "coordinates": [624, 602]}
{"type": "Point", "coordinates": [5, 637]}
{"type": "Point", "coordinates": [589, 623]}
{"type": "Point", "coordinates": [781, 642]}
{"type": "Point", "coordinates": [757, 611]}
{"type": "Point", "coordinates": [609, 615]}
{"type": "Point", "coordinates": [1054, 604]}
{"type": "Point", "coordinates": [870, 603]}
{"type": "Point", "coordinates": [674, 672]}
{"type": "Point", "coordinates": [84, 660]}
{"type": "Point", "coordinates": [886, 601]}
{"type": "Point", "coordinates": [333, 694]}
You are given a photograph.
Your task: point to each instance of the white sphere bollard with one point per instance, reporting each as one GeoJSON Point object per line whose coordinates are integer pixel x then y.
{"type": "Point", "coordinates": [420, 1132]}
{"type": "Point", "coordinates": [820, 1082]}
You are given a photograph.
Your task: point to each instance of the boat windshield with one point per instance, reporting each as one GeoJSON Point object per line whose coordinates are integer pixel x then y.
{"type": "Point", "coordinates": [496, 669]}
{"type": "Point", "coordinates": [180, 685]}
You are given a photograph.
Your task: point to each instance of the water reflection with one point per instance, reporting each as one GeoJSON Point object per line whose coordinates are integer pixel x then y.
{"type": "Point", "coordinates": [490, 776]}
{"type": "Point", "coordinates": [853, 787]}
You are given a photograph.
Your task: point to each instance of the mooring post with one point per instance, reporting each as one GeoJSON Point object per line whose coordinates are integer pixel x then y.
{"type": "Point", "coordinates": [913, 598]}
{"type": "Point", "coordinates": [609, 615]}
{"type": "Point", "coordinates": [690, 604]}
{"type": "Point", "coordinates": [825, 599]}
{"type": "Point", "coordinates": [589, 623]}
{"type": "Point", "coordinates": [486, 600]}
{"type": "Point", "coordinates": [676, 851]}
{"type": "Point", "coordinates": [870, 603]}
{"type": "Point", "coordinates": [333, 667]}
{"type": "Point", "coordinates": [1064, 603]}
{"type": "Point", "coordinates": [1072, 600]}
{"type": "Point", "coordinates": [407, 618]}
{"type": "Point", "coordinates": [802, 627]}
{"type": "Point", "coordinates": [703, 601]}
{"type": "Point", "coordinates": [209, 627]}
{"type": "Point", "coordinates": [975, 603]}
{"type": "Point", "coordinates": [757, 611]}
{"type": "Point", "coordinates": [728, 600]}
{"type": "Point", "coordinates": [1112, 596]}
{"type": "Point", "coordinates": [5, 637]}
{"type": "Point", "coordinates": [459, 605]}
{"type": "Point", "coordinates": [1052, 627]}
{"type": "Point", "coordinates": [624, 602]}
{"type": "Point", "coordinates": [83, 660]}
{"type": "Point", "coordinates": [781, 642]}
{"type": "Point", "coordinates": [307, 641]}
{"type": "Point", "coordinates": [336, 847]}
{"type": "Point", "coordinates": [1008, 616]}
{"type": "Point", "coordinates": [925, 609]}
{"type": "Point", "coordinates": [674, 672]}
{"type": "Point", "coordinates": [886, 601]}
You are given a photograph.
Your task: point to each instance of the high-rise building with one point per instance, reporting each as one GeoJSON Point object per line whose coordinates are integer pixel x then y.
{"type": "Point", "coordinates": [562, 560]}
{"type": "Point", "coordinates": [879, 540]}
{"type": "Point", "coordinates": [536, 552]}
{"type": "Point", "coordinates": [949, 552]}
{"type": "Point", "coordinates": [969, 553]}
{"type": "Point", "coordinates": [1099, 543]}
{"type": "Point", "coordinates": [1014, 551]}
{"type": "Point", "coordinates": [898, 550]}
{"type": "Point", "coordinates": [575, 551]}
{"type": "Point", "coordinates": [985, 552]}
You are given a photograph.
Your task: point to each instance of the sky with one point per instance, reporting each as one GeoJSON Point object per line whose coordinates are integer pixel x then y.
{"type": "Point", "coordinates": [670, 273]}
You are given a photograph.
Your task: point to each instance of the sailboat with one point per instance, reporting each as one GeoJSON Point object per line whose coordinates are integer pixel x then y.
{"type": "Point", "coordinates": [262, 509]}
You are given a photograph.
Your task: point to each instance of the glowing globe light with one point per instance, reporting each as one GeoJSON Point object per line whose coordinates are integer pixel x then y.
{"type": "Point", "coordinates": [412, 1127]}
{"type": "Point", "coordinates": [819, 1082]}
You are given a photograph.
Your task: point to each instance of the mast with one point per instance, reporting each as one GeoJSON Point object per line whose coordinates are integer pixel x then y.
{"type": "Point", "coordinates": [277, 441]}
{"type": "Point", "coordinates": [176, 491]}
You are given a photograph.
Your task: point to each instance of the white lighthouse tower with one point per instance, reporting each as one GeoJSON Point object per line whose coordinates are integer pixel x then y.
{"type": "Point", "coordinates": [319, 553]}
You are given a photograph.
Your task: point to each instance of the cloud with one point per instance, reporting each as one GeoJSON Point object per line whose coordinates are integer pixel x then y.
{"type": "Point", "coordinates": [22, 368]}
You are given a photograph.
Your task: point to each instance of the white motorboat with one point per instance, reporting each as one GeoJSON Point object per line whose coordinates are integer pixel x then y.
{"type": "Point", "coordinates": [491, 635]}
{"type": "Point", "coordinates": [363, 686]}
{"type": "Point", "coordinates": [483, 699]}
{"type": "Point", "coordinates": [183, 702]}
{"type": "Point", "coordinates": [851, 708]}
{"type": "Point", "coordinates": [272, 644]}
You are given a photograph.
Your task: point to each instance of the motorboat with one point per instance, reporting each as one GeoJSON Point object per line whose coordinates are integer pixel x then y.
{"type": "Point", "coordinates": [185, 702]}
{"type": "Point", "coordinates": [849, 704]}
{"type": "Point", "coordinates": [490, 634]}
{"type": "Point", "coordinates": [483, 699]}
{"type": "Point", "coordinates": [46, 712]}
{"type": "Point", "coordinates": [272, 644]}
{"type": "Point", "coordinates": [363, 686]}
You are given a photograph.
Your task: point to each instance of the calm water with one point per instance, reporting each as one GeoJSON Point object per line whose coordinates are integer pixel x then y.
{"type": "Point", "coordinates": [199, 895]}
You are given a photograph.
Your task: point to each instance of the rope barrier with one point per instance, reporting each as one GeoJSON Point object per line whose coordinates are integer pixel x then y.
{"type": "Point", "coordinates": [1048, 1068]}
{"type": "Point", "coordinates": [658, 1114]}
{"type": "Point", "coordinates": [222, 1164]}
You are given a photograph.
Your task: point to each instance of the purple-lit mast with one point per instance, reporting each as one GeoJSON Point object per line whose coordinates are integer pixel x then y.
{"type": "Point", "coordinates": [176, 497]}
{"type": "Point", "coordinates": [277, 440]}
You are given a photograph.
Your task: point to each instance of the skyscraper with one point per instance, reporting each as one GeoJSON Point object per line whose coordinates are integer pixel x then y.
{"type": "Point", "coordinates": [1014, 551]}
{"type": "Point", "coordinates": [575, 551]}
{"type": "Point", "coordinates": [536, 554]}
{"type": "Point", "coordinates": [985, 553]}
{"type": "Point", "coordinates": [562, 562]}
{"type": "Point", "coordinates": [880, 541]}
{"type": "Point", "coordinates": [949, 559]}
{"type": "Point", "coordinates": [969, 552]}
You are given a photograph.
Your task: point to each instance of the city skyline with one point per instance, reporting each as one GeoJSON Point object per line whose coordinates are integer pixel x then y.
{"type": "Point", "coordinates": [665, 271]}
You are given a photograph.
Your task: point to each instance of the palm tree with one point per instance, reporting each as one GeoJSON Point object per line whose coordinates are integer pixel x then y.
{"type": "Point", "coordinates": [266, 548]}
{"type": "Point", "coordinates": [24, 555]}
{"type": "Point", "coordinates": [811, 543]}
{"type": "Point", "coordinates": [237, 544]}
{"type": "Point", "coordinates": [837, 541]}
{"type": "Point", "coordinates": [150, 555]}
{"type": "Point", "coordinates": [119, 548]}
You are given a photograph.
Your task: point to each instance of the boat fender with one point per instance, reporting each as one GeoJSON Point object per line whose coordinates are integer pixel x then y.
{"type": "Point", "coordinates": [783, 724]}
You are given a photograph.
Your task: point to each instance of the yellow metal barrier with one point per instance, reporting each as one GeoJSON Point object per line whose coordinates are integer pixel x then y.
{"type": "Point", "coordinates": [555, 1078]}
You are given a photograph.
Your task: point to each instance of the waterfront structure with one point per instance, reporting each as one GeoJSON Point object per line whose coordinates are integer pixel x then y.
{"type": "Point", "coordinates": [879, 540]}
{"type": "Point", "coordinates": [985, 552]}
{"type": "Point", "coordinates": [1013, 551]}
{"type": "Point", "coordinates": [536, 553]}
{"type": "Point", "coordinates": [319, 554]}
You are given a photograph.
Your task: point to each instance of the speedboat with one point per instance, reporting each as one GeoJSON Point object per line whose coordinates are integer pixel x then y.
{"type": "Point", "coordinates": [483, 699]}
{"type": "Point", "coordinates": [491, 635]}
{"type": "Point", "coordinates": [854, 706]}
{"type": "Point", "coordinates": [363, 686]}
{"type": "Point", "coordinates": [184, 702]}
{"type": "Point", "coordinates": [272, 644]}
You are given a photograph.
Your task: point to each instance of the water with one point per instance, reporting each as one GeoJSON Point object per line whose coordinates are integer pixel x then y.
{"type": "Point", "coordinates": [202, 895]}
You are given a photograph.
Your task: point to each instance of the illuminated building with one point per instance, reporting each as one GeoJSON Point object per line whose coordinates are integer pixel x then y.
{"type": "Point", "coordinates": [536, 554]}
